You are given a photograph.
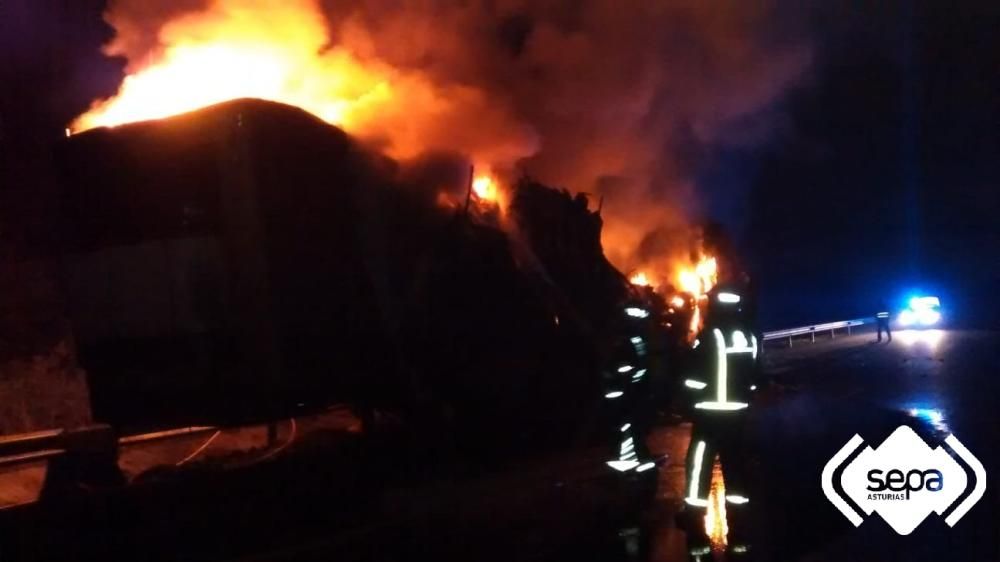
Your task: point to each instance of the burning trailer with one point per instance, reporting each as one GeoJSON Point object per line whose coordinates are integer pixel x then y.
{"type": "Point", "coordinates": [247, 261]}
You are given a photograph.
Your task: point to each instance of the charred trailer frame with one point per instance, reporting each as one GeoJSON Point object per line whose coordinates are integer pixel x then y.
{"type": "Point", "coordinates": [208, 262]}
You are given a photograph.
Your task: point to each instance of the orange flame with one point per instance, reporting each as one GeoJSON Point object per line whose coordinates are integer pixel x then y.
{"type": "Point", "coordinates": [283, 51]}
{"type": "Point", "coordinates": [699, 279]}
{"type": "Point", "coordinates": [231, 52]}
{"type": "Point", "coordinates": [716, 526]}
{"type": "Point", "coordinates": [484, 186]}
{"type": "Point", "coordinates": [640, 279]}
{"type": "Point", "coordinates": [489, 193]}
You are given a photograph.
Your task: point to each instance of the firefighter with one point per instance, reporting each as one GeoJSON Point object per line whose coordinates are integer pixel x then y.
{"type": "Point", "coordinates": [882, 321]}
{"type": "Point", "coordinates": [720, 383]}
{"type": "Point", "coordinates": [626, 374]}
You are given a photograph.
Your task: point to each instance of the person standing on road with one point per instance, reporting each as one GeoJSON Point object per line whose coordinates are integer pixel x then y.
{"type": "Point", "coordinates": [720, 390]}
{"type": "Point", "coordinates": [882, 321]}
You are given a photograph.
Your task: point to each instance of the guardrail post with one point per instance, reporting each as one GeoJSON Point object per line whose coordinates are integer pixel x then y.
{"type": "Point", "coordinates": [833, 333]}
{"type": "Point", "coordinates": [848, 329]}
{"type": "Point", "coordinates": [789, 341]}
{"type": "Point", "coordinates": [813, 334]}
{"type": "Point", "coordinates": [90, 459]}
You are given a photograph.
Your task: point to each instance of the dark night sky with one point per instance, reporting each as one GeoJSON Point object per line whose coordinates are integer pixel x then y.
{"type": "Point", "coordinates": [882, 176]}
{"type": "Point", "coordinates": [885, 178]}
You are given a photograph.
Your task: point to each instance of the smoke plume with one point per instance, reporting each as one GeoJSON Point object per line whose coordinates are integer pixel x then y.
{"type": "Point", "coordinates": [617, 99]}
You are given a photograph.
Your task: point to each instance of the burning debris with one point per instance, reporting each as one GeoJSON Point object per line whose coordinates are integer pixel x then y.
{"type": "Point", "coordinates": [281, 51]}
{"type": "Point", "coordinates": [485, 188]}
{"type": "Point", "coordinates": [573, 94]}
{"type": "Point", "coordinates": [640, 279]}
{"type": "Point", "coordinates": [697, 282]}
{"type": "Point", "coordinates": [290, 248]}
{"type": "Point", "coordinates": [688, 297]}
{"type": "Point", "coordinates": [256, 247]}
{"type": "Point", "coordinates": [699, 279]}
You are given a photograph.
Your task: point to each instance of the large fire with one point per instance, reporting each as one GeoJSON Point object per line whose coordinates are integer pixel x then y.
{"type": "Point", "coordinates": [230, 51]}
{"type": "Point", "coordinates": [418, 78]}
{"type": "Point", "coordinates": [284, 51]}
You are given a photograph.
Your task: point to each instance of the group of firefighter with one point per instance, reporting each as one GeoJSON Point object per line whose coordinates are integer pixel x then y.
{"type": "Point", "coordinates": [714, 371]}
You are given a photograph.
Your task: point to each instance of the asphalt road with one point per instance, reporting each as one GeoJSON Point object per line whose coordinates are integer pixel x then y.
{"type": "Point", "coordinates": [822, 394]}
{"type": "Point", "coordinates": [937, 382]}
{"type": "Point", "coordinates": [334, 496]}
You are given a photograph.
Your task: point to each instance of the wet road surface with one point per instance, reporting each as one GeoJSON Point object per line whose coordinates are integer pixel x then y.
{"type": "Point", "coordinates": [821, 395]}
{"type": "Point", "coordinates": [938, 382]}
{"type": "Point", "coordinates": [334, 497]}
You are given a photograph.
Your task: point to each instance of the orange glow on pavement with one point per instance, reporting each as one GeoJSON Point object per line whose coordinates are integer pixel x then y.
{"type": "Point", "coordinates": [716, 526]}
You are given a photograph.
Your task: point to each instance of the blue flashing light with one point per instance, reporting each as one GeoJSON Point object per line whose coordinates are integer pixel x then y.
{"type": "Point", "coordinates": [924, 310]}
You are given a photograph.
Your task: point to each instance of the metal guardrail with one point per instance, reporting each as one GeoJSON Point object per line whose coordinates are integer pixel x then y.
{"type": "Point", "coordinates": [43, 445]}
{"type": "Point", "coordinates": [167, 434]}
{"type": "Point", "coordinates": [29, 447]}
{"type": "Point", "coordinates": [811, 331]}
{"type": "Point", "coordinates": [76, 457]}
{"type": "Point", "coordinates": [24, 443]}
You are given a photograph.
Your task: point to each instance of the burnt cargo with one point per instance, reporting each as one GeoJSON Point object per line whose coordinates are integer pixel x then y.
{"type": "Point", "coordinates": [211, 262]}
{"type": "Point", "coordinates": [247, 259]}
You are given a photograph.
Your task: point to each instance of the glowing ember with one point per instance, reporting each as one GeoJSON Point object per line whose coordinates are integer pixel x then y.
{"type": "Point", "coordinates": [485, 188]}
{"type": "Point", "coordinates": [716, 526]}
{"type": "Point", "coordinates": [640, 279]}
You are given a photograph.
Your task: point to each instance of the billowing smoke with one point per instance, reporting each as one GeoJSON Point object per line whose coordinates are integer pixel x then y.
{"type": "Point", "coordinates": [617, 99]}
